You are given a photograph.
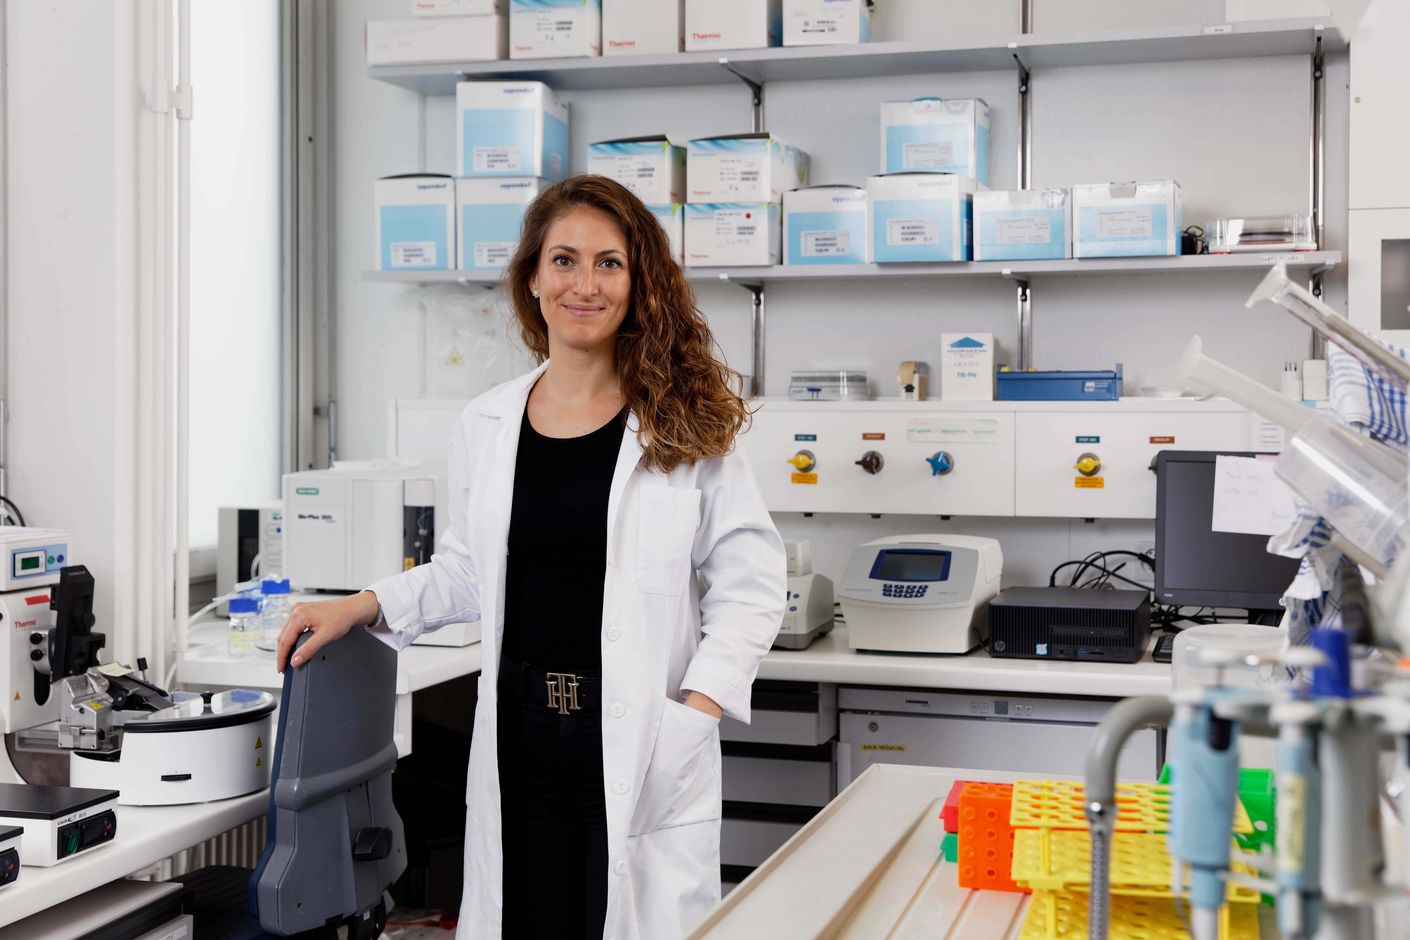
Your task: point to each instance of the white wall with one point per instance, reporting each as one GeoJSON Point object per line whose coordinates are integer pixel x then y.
{"type": "Point", "coordinates": [70, 182]}
{"type": "Point", "coordinates": [1235, 133]}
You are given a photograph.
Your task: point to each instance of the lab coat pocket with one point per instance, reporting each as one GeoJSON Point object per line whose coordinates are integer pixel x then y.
{"type": "Point", "coordinates": [682, 782]}
{"type": "Point", "coordinates": [665, 533]}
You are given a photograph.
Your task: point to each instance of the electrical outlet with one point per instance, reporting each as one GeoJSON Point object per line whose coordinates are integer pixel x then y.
{"type": "Point", "coordinates": [1146, 547]}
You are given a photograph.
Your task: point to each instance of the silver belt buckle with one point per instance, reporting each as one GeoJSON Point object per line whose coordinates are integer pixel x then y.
{"type": "Point", "coordinates": [563, 692]}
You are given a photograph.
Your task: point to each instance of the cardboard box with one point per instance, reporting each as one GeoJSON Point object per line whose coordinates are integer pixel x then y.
{"type": "Point", "coordinates": [651, 167]}
{"type": "Point", "coordinates": [826, 22]}
{"type": "Point", "coordinates": [731, 234]}
{"type": "Point", "coordinates": [643, 27]}
{"type": "Point", "coordinates": [744, 168]}
{"type": "Point", "coordinates": [414, 222]}
{"type": "Point", "coordinates": [936, 135]}
{"type": "Point", "coordinates": [733, 24]}
{"type": "Point", "coordinates": [672, 219]}
{"type": "Point", "coordinates": [489, 214]}
{"type": "Point", "coordinates": [428, 41]}
{"type": "Point", "coordinates": [967, 366]}
{"type": "Point", "coordinates": [1016, 225]}
{"type": "Point", "coordinates": [554, 29]}
{"type": "Point", "coordinates": [457, 7]}
{"type": "Point", "coordinates": [825, 225]}
{"type": "Point", "coordinates": [920, 217]}
{"type": "Point", "coordinates": [1112, 220]}
{"type": "Point", "coordinates": [510, 129]}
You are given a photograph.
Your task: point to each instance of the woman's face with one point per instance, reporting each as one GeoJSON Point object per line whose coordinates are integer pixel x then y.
{"type": "Point", "coordinates": [582, 280]}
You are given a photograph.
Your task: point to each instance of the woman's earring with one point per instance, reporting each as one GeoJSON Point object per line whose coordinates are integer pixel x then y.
{"type": "Point", "coordinates": [534, 292]}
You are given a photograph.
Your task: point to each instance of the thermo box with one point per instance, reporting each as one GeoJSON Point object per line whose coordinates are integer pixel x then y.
{"type": "Point", "coordinates": [967, 366]}
{"type": "Point", "coordinates": [730, 234]}
{"type": "Point", "coordinates": [826, 22]}
{"type": "Point", "coordinates": [1015, 225]}
{"type": "Point", "coordinates": [920, 217]}
{"type": "Point", "coordinates": [457, 7]}
{"type": "Point", "coordinates": [643, 27]}
{"type": "Point", "coordinates": [672, 219]}
{"type": "Point", "coordinates": [732, 24]}
{"type": "Point", "coordinates": [743, 168]}
{"type": "Point", "coordinates": [414, 222]}
{"type": "Point", "coordinates": [489, 213]}
{"type": "Point", "coordinates": [1120, 219]}
{"type": "Point", "coordinates": [825, 225]}
{"type": "Point", "coordinates": [653, 168]}
{"type": "Point", "coordinates": [510, 129]}
{"type": "Point", "coordinates": [551, 29]}
{"type": "Point", "coordinates": [428, 41]}
{"type": "Point", "coordinates": [936, 135]}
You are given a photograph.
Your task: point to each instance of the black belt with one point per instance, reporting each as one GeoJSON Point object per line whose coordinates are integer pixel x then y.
{"type": "Point", "coordinates": [565, 693]}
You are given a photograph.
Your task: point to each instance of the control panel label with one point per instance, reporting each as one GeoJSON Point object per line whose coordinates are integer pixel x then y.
{"type": "Point", "coordinates": [805, 437]}
{"type": "Point", "coordinates": [873, 435]}
{"type": "Point", "coordinates": [1163, 439]}
{"type": "Point", "coordinates": [1089, 439]}
{"type": "Point", "coordinates": [326, 517]}
{"type": "Point", "coordinates": [896, 748]}
{"type": "Point", "coordinates": [808, 478]}
{"type": "Point", "coordinates": [1090, 483]}
{"type": "Point", "coordinates": [979, 431]}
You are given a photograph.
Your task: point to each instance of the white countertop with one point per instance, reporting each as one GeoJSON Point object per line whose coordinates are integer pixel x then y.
{"type": "Point", "coordinates": [830, 659]}
{"type": "Point", "coordinates": [207, 664]}
{"type": "Point", "coordinates": [145, 834]}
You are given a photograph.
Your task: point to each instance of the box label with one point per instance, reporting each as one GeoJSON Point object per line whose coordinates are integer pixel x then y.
{"type": "Point", "coordinates": [413, 254]}
{"type": "Point", "coordinates": [825, 244]}
{"type": "Point", "coordinates": [551, 28]}
{"type": "Point", "coordinates": [493, 254]}
{"type": "Point", "coordinates": [1125, 223]}
{"type": "Point", "coordinates": [1024, 230]}
{"type": "Point", "coordinates": [634, 170]}
{"type": "Point", "coordinates": [810, 479]}
{"type": "Point", "coordinates": [930, 431]}
{"type": "Point", "coordinates": [1163, 439]}
{"type": "Point", "coordinates": [738, 174]}
{"type": "Point", "coordinates": [498, 160]}
{"type": "Point", "coordinates": [928, 155]}
{"type": "Point", "coordinates": [1089, 483]}
{"type": "Point", "coordinates": [735, 228]}
{"type": "Point", "coordinates": [912, 232]}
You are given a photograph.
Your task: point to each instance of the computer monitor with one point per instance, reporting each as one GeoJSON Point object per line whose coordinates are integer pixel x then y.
{"type": "Point", "coordinates": [1198, 567]}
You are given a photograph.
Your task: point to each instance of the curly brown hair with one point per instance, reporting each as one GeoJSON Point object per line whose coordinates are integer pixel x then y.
{"type": "Point", "coordinates": [681, 393]}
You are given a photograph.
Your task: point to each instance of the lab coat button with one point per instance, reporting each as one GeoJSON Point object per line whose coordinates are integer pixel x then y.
{"type": "Point", "coordinates": [621, 868]}
{"type": "Point", "coordinates": [618, 710]}
{"type": "Point", "coordinates": [622, 787]}
{"type": "Point", "coordinates": [614, 634]}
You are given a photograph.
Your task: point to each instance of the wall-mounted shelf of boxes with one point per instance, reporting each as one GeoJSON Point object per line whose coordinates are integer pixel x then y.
{"type": "Point", "coordinates": [1309, 260]}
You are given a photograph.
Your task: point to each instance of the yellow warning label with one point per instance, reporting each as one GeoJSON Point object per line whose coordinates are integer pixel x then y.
{"type": "Point", "coordinates": [1090, 483]}
{"type": "Point", "coordinates": [17, 696]}
{"type": "Point", "coordinates": [455, 358]}
{"type": "Point", "coordinates": [884, 747]}
{"type": "Point", "coordinates": [259, 742]}
{"type": "Point", "coordinates": [259, 761]}
{"type": "Point", "coordinates": [809, 478]}
{"type": "Point", "coordinates": [408, 563]}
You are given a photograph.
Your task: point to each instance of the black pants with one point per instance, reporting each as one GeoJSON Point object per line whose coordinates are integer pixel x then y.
{"type": "Point", "coordinates": [553, 814]}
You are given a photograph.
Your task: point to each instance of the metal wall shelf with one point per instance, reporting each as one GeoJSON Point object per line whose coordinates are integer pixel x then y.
{"type": "Point", "coordinates": [803, 63]}
{"type": "Point", "coordinates": [1016, 270]}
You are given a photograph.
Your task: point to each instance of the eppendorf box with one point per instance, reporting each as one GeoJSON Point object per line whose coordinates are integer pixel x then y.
{"type": "Point", "coordinates": [510, 129]}
{"type": "Point", "coordinates": [1119, 219]}
{"type": "Point", "coordinates": [936, 135]}
{"type": "Point", "coordinates": [920, 217]}
{"type": "Point", "coordinates": [825, 225]}
{"type": "Point", "coordinates": [489, 214]}
{"type": "Point", "coordinates": [415, 222]}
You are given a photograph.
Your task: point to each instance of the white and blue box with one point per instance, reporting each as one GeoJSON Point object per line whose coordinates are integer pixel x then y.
{"type": "Point", "coordinates": [642, 27]}
{"type": "Point", "coordinates": [414, 222]}
{"type": "Point", "coordinates": [826, 22]}
{"type": "Point", "coordinates": [967, 366]}
{"type": "Point", "coordinates": [825, 225]}
{"type": "Point", "coordinates": [1114, 220]}
{"type": "Point", "coordinates": [920, 217]}
{"type": "Point", "coordinates": [489, 214]}
{"type": "Point", "coordinates": [732, 24]}
{"type": "Point", "coordinates": [936, 135]}
{"type": "Point", "coordinates": [731, 234]}
{"type": "Point", "coordinates": [435, 40]}
{"type": "Point", "coordinates": [1022, 225]}
{"type": "Point", "coordinates": [510, 129]}
{"type": "Point", "coordinates": [436, 8]}
{"type": "Point", "coordinates": [743, 168]}
{"type": "Point", "coordinates": [672, 219]}
{"type": "Point", "coordinates": [554, 29]}
{"type": "Point", "coordinates": [653, 168]}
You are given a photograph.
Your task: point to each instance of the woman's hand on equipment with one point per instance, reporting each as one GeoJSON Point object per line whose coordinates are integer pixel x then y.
{"type": "Point", "coordinates": [327, 621]}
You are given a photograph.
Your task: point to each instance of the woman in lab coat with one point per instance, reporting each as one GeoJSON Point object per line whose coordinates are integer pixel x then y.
{"type": "Point", "coordinates": [585, 498]}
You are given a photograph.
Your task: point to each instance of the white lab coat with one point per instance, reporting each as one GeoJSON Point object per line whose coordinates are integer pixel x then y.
{"type": "Point", "coordinates": [660, 634]}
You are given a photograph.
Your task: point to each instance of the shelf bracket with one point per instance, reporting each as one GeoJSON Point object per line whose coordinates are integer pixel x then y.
{"type": "Point", "coordinates": [756, 329]}
{"type": "Point", "coordinates": [1318, 345]}
{"type": "Point", "coordinates": [1025, 322]}
{"type": "Point", "coordinates": [1025, 125]}
{"type": "Point", "coordinates": [756, 91]}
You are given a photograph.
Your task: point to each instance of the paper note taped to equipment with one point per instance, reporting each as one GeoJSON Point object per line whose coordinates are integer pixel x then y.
{"type": "Point", "coordinates": [1249, 498]}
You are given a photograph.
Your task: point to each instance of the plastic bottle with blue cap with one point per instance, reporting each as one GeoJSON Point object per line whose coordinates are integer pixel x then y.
{"type": "Point", "coordinates": [274, 609]}
{"type": "Point", "coordinates": [242, 635]}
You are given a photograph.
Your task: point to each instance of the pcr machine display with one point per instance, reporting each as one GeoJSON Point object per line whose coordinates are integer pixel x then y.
{"type": "Point", "coordinates": [920, 593]}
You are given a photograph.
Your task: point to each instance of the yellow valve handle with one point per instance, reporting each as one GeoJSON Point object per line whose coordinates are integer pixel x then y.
{"type": "Point", "coordinates": [1087, 464]}
{"type": "Point", "coordinates": [802, 462]}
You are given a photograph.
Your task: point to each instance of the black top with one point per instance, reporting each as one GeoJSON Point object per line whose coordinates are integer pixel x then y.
{"type": "Point", "coordinates": [26, 801]}
{"type": "Point", "coordinates": [558, 548]}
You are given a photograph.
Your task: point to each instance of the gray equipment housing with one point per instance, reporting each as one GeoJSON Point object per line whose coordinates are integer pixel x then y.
{"type": "Point", "coordinates": [335, 840]}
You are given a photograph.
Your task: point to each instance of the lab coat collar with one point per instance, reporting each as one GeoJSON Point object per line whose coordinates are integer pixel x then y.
{"type": "Point", "coordinates": [510, 398]}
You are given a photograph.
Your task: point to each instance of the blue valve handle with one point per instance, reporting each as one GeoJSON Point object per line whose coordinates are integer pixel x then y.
{"type": "Point", "coordinates": [941, 463]}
